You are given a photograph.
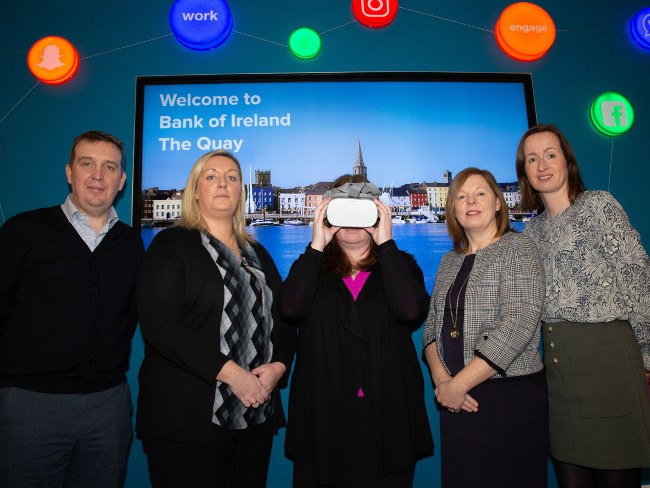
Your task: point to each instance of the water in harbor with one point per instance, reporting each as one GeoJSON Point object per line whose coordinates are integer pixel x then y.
{"type": "Point", "coordinates": [427, 242]}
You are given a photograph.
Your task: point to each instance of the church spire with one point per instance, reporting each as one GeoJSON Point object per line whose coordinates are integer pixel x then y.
{"type": "Point", "coordinates": [359, 167]}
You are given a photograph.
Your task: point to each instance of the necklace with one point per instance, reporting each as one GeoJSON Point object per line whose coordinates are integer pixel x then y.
{"type": "Point", "coordinates": [481, 246]}
{"type": "Point", "coordinates": [354, 271]}
{"type": "Point", "coordinates": [455, 333]}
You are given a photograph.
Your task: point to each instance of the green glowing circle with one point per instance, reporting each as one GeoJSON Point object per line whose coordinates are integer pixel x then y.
{"type": "Point", "coordinates": [304, 43]}
{"type": "Point", "coordinates": [612, 114]}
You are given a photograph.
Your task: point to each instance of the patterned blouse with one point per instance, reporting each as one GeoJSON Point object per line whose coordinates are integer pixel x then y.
{"type": "Point", "coordinates": [595, 265]}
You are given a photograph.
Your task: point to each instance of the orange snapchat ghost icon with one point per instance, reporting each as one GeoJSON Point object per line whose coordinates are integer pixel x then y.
{"type": "Point", "coordinates": [53, 60]}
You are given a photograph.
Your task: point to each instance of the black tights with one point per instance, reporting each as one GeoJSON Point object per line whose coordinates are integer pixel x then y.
{"type": "Point", "coordinates": [573, 476]}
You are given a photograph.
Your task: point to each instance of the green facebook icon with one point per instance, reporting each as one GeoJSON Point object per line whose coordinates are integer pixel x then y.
{"type": "Point", "coordinates": [612, 114]}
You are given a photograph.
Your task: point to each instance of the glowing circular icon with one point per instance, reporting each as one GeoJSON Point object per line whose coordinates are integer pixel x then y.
{"type": "Point", "coordinates": [525, 31]}
{"type": "Point", "coordinates": [375, 13]}
{"type": "Point", "coordinates": [201, 25]}
{"type": "Point", "coordinates": [304, 43]}
{"type": "Point", "coordinates": [640, 28]}
{"type": "Point", "coordinates": [53, 60]}
{"type": "Point", "coordinates": [612, 114]}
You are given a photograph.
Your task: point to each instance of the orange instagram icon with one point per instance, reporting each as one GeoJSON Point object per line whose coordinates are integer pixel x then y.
{"type": "Point", "coordinates": [375, 13]}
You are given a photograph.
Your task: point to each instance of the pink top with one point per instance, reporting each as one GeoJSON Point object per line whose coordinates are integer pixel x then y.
{"type": "Point", "coordinates": [355, 284]}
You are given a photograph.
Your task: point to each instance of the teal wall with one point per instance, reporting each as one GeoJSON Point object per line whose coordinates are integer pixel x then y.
{"type": "Point", "coordinates": [120, 40]}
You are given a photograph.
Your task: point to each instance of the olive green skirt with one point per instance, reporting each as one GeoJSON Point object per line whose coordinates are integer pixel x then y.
{"type": "Point", "coordinates": [599, 409]}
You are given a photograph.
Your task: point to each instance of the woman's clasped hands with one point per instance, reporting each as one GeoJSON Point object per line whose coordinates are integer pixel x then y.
{"type": "Point", "coordinates": [451, 395]}
{"type": "Point", "coordinates": [252, 388]}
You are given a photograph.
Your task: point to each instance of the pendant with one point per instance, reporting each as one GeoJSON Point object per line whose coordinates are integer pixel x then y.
{"type": "Point", "coordinates": [454, 334]}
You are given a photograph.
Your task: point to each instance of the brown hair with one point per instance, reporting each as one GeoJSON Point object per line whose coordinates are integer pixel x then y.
{"type": "Point", "coordinates": [191, 214]}
{"type": "Point", "coordinates": [336, 260]}
{"type": "Point", "coordinates": [98, 136]}
{"type": "Point", "coordinates": [530, 199]}
{"type": "Point", "coordinates": [456, 231]}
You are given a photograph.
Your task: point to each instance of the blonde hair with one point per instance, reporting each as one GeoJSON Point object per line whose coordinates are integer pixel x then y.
{"type": "Point", "coordinates": [191, 217]}
{"type": "Point", "coordinates": [456, 231]}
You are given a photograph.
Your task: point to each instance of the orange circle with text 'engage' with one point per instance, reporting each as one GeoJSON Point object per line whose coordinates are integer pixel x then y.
{"type": "Point", "coordinates": [53, 60]}
{"type": "Point", "coordinates": [525, 31]}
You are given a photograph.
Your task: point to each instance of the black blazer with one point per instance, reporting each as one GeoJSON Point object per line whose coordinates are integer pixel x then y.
{"type": "Point", "coordinates": [180, 301]}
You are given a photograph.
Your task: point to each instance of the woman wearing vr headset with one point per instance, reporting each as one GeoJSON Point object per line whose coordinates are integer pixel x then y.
{"type": "Point", "coordinates": [356, 408]}
{"type": "Point", "coordinates": [481, 342]}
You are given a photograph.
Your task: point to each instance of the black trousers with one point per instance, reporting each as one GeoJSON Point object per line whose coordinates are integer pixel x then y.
{"type": "Point", "coordinates": [238, 459]}
{"type": "Point", "coordinates": [362, 460]}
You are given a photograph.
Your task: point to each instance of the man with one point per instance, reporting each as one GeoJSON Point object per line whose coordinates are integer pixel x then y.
{"type": "Point", "coordinates": [67, 316]}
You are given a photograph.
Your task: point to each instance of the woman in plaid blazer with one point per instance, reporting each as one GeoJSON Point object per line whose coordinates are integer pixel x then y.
{"type": "Point", "coordinates": [481, 343]}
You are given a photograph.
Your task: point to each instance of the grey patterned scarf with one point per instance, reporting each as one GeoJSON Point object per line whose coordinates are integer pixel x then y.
{"type": "Point", "coordinates": [245, 330]}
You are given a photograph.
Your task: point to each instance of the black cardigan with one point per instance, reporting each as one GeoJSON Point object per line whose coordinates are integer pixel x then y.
{"type": "Point", "coordinates": [180, 300]}
{"type": "Point", "coordinates": [67, 314]}
{"type": "Point", "coordinates": [342, 343]}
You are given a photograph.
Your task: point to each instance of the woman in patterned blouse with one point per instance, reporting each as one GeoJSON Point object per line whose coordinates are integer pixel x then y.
{"type": "Point", "coordinates": [596, 318]}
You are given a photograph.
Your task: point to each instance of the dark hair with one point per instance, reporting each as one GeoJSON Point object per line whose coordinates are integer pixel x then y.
{"type": "Point", "coordinates": [530, 199]}
{"type": "Point", "coordinates": [336, 260]}
{"type": "Point", "coordinates": [98, 136]}
{"type": "Point", "coordinates": [456, 231]}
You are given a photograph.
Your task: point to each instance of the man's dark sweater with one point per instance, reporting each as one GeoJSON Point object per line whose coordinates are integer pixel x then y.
{"type": "Point", "coordinates": [67, 314]}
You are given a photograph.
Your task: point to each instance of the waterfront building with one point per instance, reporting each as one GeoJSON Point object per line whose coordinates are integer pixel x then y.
{"type": "Point", "coordinates": [262, 196]}
{"type": "Point", "coordinates": [400, 196]}
{"type": "Point", "coordinates": [511, 194]}
{"type": "Point", "coordinates": [437, 193]}
{"type": "Point", "coordinates": [313, 197]}
{"type": "Point", "coordinates": [146, 207]}
{"type": "Point", "coordinates": [168, 209]}
{"type": "Point", "coordinates": [418, 198]}
{"type": "Point", "coordinates": [159, 204]}
{"type": "Point", "coordinates": [292, 200]}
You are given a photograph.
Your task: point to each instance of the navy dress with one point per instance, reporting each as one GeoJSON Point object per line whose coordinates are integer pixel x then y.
{"type": "Point", "coordinates": [505, 443]}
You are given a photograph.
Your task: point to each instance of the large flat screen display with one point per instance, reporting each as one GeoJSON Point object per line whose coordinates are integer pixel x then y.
{"type": "Point", "coordinates": [302, 129]}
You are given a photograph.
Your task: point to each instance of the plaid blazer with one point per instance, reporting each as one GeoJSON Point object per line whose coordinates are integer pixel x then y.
{"type": "Point", "coordinates": [503, 304]}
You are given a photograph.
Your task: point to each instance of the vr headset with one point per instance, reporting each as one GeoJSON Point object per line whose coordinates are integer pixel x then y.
{"type": "Point", "coordinates": [352, 205]}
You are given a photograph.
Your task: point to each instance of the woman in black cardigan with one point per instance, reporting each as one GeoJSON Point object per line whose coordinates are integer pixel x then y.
{"type": "Point", "coordinates": [356, 408]}
{"type": "Point", "coordinates": [216, 350]}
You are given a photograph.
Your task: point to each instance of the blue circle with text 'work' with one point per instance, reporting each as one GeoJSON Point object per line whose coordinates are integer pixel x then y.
{"type": "Point", "coordinates": [200, 24]}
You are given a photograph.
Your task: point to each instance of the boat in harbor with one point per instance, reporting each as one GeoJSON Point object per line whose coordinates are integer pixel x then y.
{"type": "Point", "coordinates": [295, 222]}
{"type": "Point", "coordinates": [263, 222]}
{"type": "Point", "coordinates": [418, 219]}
